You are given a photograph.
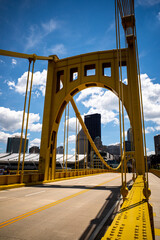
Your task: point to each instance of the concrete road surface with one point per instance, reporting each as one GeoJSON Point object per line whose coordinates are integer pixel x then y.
{"type": "Point", "coordinates": [69, 209]}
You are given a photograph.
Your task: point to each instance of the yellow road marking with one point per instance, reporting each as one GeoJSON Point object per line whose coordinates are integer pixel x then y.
{"type": "Point", "coordinates": [12, 220]}
{"type": "Point", "coordinates": [157, 231]}
{"type": "Point", "coordinates": [154, 214]}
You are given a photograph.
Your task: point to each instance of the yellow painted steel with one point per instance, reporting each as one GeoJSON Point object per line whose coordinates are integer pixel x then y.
{"type": "Point", "coordinates": [30, 177]}
{"type": "Point", "coordinates": [132, 221]}
{"type": "Point", "coordinates": [56, 101]}
{"type": "Point", "coordinates": [23, 55]}
{"type": "Point", "coordinates": [155, 172]}
{"type": "Point", "coordinates": [76, 146]}
{"type": "Point", "coordinates": [29, 101]}
{"type": "Point", "coordinates": [64, 143]}
{"type": "Point", "coordinates": [67, 137]}
{"type": "Point", "coordinates": [20, 147]}
{"type": "Point", "coordinates": [88, 135]}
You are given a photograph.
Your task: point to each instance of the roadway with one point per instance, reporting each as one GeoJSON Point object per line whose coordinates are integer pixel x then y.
{"type": "Point", "coordinates": [69, 209]}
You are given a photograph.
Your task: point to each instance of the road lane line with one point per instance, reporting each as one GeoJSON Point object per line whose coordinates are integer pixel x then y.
{"type": "Point", "coordinates": [12, 220]}
{"type": "Point", "coordinates": [34, 193]}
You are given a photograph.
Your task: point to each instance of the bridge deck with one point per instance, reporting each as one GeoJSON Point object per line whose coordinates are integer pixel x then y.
{"type": "Point", "coordinates": [132, 221]}
{"type": "Point", "coordinates": [72, 209]}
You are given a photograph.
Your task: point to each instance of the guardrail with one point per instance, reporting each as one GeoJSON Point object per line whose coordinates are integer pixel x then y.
{"type": "Point", "coordinates": [155, 172]}
{"type": "Point", "coordinates": [33, 177]}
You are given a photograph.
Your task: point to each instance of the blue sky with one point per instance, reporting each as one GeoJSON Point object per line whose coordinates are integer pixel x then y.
{"type": "Point", "coordinates": [68, 28]}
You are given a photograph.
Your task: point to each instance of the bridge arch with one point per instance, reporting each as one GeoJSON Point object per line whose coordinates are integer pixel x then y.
{"type": "Point", "coordinates": [67, 77]}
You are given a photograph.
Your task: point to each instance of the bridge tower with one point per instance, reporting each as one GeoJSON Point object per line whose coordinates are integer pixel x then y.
{"type": "Point", "coordinates": [61, 87]}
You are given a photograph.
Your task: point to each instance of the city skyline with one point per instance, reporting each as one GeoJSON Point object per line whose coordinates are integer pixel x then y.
{"type": "Point", "coordinates": [68, 29]}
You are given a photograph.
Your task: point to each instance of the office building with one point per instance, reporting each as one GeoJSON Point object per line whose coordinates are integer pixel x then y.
{"type": "Point", "coordinates": [59, 150]}
{"type": "Point", "coordinates": [157, 144]}
{"type": "Point", "coordinates": [127, 146]}
{"type": "Point", "coordinates": [13, 144]}
{"type": "Point", "coordinates": [34, 149]}
{"type": "Point", "coordinates": [81, 143]}
{"type": "Point", "coordinates": [93, 124]}
{"type": "Point", "coordinates": [129, 135]}
{"type": "Point", "coordinates": [113, 149]}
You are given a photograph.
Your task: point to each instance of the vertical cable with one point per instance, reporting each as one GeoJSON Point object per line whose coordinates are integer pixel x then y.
{"type": "Point", "coordinates": [22, 173]}
{"type": "Point", "coordinates": [122, 104]}
{"type": "Point", "coordinates": [67, 137]}
{"type": "Point", "coordinates": [20, 147]}
{"type": "Point", "coordinates": [141, 105]}
{"type": "Point", "coordinates": [64, 143]}
{"type": "Point", "coordinates": [120, 123]}
{"type": "Point", "coordinates": [84, 150]}
{"type": "Point", "coordinates": [76, 145]}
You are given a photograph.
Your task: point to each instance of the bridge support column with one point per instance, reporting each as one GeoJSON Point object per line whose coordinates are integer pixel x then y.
{"type": "Point", "coordinates": [136, 120]}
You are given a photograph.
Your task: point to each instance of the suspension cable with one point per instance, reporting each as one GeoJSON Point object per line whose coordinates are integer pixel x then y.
{"type": "Point", "coordinates": [24, 150]}
{"type": "Point", "coordinates": [89, 137]}
{"type": "Point", "coordinates": [84, 152]}
{"type": "Point", "coordinates": [122, 101]}
{"type": "Point", "coordinates": [67, 137]}
{"type": "Point", "coordinates": [64, 141]}
{"type": "Point", "coordinates": [20, 147]}
{"type": "Point", "coordinates": [141, 106]}
{"type": "Point", "coordinates": [120, 120]}
{"type": "Point", "coordinates": [76, 146]}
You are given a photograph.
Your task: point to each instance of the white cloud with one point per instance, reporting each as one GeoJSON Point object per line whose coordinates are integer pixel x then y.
{"type": "Point", "coordinates": [11, 120]}
{"type": "Point", "coordinates": [39, 83]}
{"type": "Point", "coordinates": [158, 16]}
{"type": "Point", "coordinates": [35, 142]}
{"type": "Point", "coordinates": [38, 32]}
{"type": "Point", "coordinates": [89, 92]}
{"type": "Point", "coordinates": [4, 136]}
{"type": "Point", "coordinates": [115, 144]}
{"type": "Point", "coordinates": [149, 130]}
{"type": "Point", "coordinates": [72, 124]}
{"type": "Point", "coordinates": [111, 27]}
{"type": "Point", "coordinates": [149, 152]}
{"type": "Point", "coordinates": [98, 100]}
{"type": "Point", "coordinates": [151, 99]}
{"type": "Point", "coordinates": [148, 2]}
{"type": "Point", "coordinates": [49, 26]}
{"type": "Point", "coordinates": [72, 138]}
{"type": "Point", "coordinates": [11, 85]}
{"type": "Point", "coordinates": [157, 128]}
{"type": "Point", "coordinates": [14, 62]}
{"type": "Point", "coordinates": [1, 61]}
{"type": "Point", "coordinates": [35, 127]}
{"type": "Point", "coordinates": [57, 49]}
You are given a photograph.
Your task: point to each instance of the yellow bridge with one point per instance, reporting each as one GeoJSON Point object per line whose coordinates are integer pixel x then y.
{"type": "Point", "coordinates": [134, 220]}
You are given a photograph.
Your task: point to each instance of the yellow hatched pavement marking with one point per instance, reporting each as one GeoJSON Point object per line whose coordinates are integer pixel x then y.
{"type": "Point", "coordinates": [157, 231]}
{"type": "Point", "coordinates": [132, 221]}
{"type": "Point", "coordinates": [13, 220]}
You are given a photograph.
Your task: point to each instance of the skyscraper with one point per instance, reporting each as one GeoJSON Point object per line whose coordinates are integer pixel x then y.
{"type": "Point", "coordinates": [93, 124]}
{"type": "Point", "coordinates": [13, 145]}
{"type": "Point", "coordinates": [157, 144]}
{"type": "Point", "coordinates": [129, 135]}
